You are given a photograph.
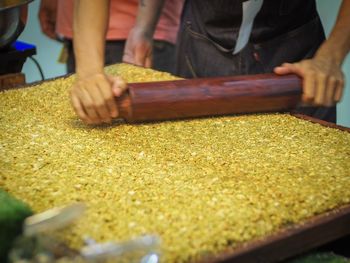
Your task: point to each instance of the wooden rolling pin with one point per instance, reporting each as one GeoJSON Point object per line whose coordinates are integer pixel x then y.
{"type": "Point", "coordinates": [167, 100]}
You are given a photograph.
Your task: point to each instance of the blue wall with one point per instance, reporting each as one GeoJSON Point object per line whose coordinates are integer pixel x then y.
{"type": "Point", "coordinates": [49, 50]}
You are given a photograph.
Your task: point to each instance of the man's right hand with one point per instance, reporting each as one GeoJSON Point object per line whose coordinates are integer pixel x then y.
{"type": "Point", "coordinates": [47, 17]}
{"type": "Point", "coordinates": [138, 48]}
{"type": "Point", "coordinates": [93, 97]}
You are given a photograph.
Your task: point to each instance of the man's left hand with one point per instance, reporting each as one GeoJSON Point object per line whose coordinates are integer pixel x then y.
{"type": "Point", "coordinates": [323, 80]}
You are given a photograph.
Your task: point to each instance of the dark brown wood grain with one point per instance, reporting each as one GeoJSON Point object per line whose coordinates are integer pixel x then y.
{"type": "Point", "coordinates": [166, 100]}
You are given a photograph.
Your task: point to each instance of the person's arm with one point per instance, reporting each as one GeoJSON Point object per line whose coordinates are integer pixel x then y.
{"type": "Point", "coordinates": [92, 95]}
{"type": "Point", "coordinates": [138, 47]}
{"type": "Point", "coordinates": [323, 79]}
{"type": "Point", "coordinates": [47, 17]}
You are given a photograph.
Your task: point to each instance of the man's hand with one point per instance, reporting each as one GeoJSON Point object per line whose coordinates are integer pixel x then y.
{"type": "Point", "coordinates": [92, 95]}
{"type": "Point", "coordinates": [47, 17]}
{"type": "Point", "coordinates": [323, 80]}
{"type": "Point", "coordinates": [93, 98]}
{"type": "Point", "coordinates": [138, 48]}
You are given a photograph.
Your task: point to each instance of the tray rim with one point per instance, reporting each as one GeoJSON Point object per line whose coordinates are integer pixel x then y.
{"type": "Point", "coordinates": [321, 122]}
{"type": "Point", "coordinates": [287, 239]}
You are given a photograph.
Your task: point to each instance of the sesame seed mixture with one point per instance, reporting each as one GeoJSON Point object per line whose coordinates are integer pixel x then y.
{"type": "Point", "coordinates": [202, 185]}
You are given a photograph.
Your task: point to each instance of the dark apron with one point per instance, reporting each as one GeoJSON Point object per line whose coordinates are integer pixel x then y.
{"type": "Point", "coordinates": [283, 31]}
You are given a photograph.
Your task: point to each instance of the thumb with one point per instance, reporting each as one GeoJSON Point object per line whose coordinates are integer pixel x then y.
{"type": "Point", "coordinates": [287, 68]}
{"type": "Point", "coordinates": [148, 61]}
{"type": "Point", "coordinates": [143, 54]}
{"type": "Point", "coordinates": [140, 56]}
{"type": "Point", "coordinates": [118, 85]}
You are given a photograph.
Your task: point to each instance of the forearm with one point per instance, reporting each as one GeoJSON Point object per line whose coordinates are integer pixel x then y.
{"type": "Point", "coordinates": [148, 14]}
{"type": "Point", "coordinates": [90, 27]}
{"type": "Point", "coordinates": [50, 3]}
{"type": "Point", "coordinates": [323, 79]}
{"type": "Point", "coordinates": [337, 45]}
{"type": "Point", "coordinates": [47, 17]}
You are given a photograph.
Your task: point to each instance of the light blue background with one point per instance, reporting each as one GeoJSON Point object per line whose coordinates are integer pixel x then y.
{"type": "Point", "coordinates": [48, 51]}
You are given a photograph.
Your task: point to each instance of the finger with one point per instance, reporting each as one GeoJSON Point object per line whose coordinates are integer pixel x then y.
{"type": "Point", "coordinates": [320, 90]}
{"type": "Point", "coordinates": [89, 107]}
{"type": "Point", "coordinates": [287, 68]}
{"type": "Point", "coordinates": [309, 86]}
{"type": "Point", "coordinates": [109, 102]}
{"type": "Point", "coordinates": [128, 58]}
{"type": "Point", "coordinates": [139, 57]}
{"type": "Point", "coordinates": [282, 70]}
{"type": "Point", "coordinates": [78, 109]}
{"type": "Point", "coordinates": [99, 103]}
{"type": "Point", "coordinates": [308, 79]}
{"type": "Point", "coordinates": [148, 62]}
{"type": "Point", "coordinates": [119, 86]}
{"type": "Point", "coordinates": [148, 58]}
{"type": "Point", "coordinates": [330, 91]}
{"type": "Point", "coordinates": [338, 94]}
{"type": "Point", "coordinates": [142, 51]}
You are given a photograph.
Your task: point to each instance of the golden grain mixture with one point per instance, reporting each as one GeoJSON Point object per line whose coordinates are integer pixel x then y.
{"type": "Point", "coordinates": [199, 184]}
